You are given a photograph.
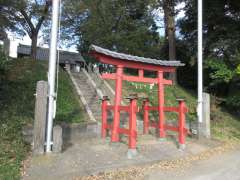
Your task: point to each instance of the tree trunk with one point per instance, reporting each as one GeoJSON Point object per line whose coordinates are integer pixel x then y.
{"type": "Point", "coordinates": [34, 38]}
{"type": "Point", "coordinates": [169, 18]}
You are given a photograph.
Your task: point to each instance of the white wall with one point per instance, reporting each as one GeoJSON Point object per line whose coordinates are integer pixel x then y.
{"type": "Point", "coordinates": [13, 49]}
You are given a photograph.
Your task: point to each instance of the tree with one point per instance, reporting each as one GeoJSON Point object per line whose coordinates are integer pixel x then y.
{"type": "Point", "coordinates": [124, 26]}
{"type": "Point", "coordinates": [169, 19]}
{"type": "Point", "coordinates": [25, 16]}
{"type": "Point", "coordinates": [221, 41]}
{"type": "Point", "coordinates": [168, 7]}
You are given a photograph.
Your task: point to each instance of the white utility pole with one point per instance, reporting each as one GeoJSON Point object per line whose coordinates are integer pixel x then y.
{"type": "Point", "coordinates": [200, 58]}
{"type": "Point", "coordinates": [52, 72]}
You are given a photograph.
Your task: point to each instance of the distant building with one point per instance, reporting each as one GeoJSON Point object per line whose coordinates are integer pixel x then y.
{"type": "Point", "coordinates": [66, 58]}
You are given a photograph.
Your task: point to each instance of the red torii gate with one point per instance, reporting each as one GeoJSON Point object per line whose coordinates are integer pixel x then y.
{"type": "Point", "coordinates": [122, 61]}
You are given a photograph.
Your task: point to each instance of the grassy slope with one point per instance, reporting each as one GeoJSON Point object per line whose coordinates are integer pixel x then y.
{"type": "Point", "coordinates": [67, 103]}
{"type": "Point", "coordinates": [224, 126]}
{"type": "Point", "coordinates": [17, 109]}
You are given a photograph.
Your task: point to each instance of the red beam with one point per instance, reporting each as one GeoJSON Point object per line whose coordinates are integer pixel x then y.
{"type": "Point", "coordinates": [152, 108]}
{"type": "Point", "coordinates": [123, 131]}
{"type": "Point", "coordinates": [176, 129]}
{"type": "Point", "coordinates": [168, 127]}
{"type": "Point", "coordinates": [171, 109]}
{"type": "Point", "coordinates": [153, 124]}
{"type": "Point", "coordinates": [108, 126]}
{"type": "Point", "coordinates": [121, 108]}
{"type": "Point", "coordinates": [130, 64]}
{"type": "Point", "coordinates": [168, 109]}
{"type": "Point", "coordinates": [135, 78]}
{"type": "Point", "coordinates": [139, 79]}
{"type": "Point", "coordinates": [167, 82]}
{"type": "Point", "coordinates": [171, 128]}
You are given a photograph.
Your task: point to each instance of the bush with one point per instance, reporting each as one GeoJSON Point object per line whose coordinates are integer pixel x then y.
{"type": "Point", "coordinates": [220, 72]}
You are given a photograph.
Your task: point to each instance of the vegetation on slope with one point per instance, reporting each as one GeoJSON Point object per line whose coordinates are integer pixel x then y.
{"type": "Point", "coordinates": [17, 88]}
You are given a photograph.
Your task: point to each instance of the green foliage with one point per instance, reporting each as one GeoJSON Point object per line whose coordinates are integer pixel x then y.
{"type": "Point", "coordinates": [238, 69]}
{"type": "Point", "coordinates": [125, 26]}
{"type": "Point", "coordinates": [219, 71]}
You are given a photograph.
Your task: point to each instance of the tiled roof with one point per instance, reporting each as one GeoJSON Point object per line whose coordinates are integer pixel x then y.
{"type": "Point", "coordinates": [43, 54]}
{"type": "Point", "coordinates": [134, 58]}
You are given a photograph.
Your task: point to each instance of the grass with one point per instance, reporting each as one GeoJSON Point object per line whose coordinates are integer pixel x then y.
{"type": "Point", "coordinates": [224, 126]}
{"type": "Point", "coordinates": [17, 110]}
{"type": "Point", "coordinates": [67, 103]}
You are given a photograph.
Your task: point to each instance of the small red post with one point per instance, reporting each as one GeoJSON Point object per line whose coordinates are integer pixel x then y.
{"type": "Point", "coordinates": [145, 116]}
{"type": "Point", "coordinates": [141, 73]}
{"type": "Point", "coordinates": [132, 124]}
{"type": "Point", "coordinates": [161, 119]}
{"type": "Point", "coordinates": [181, 123]}
{"type": "Point", "coordinates": [104, 116]}
{"type": "Point", "coordinates": [118, 94]}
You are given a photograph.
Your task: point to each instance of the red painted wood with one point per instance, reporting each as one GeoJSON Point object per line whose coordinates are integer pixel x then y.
{"type": "Point", "coordinates": [161, 117]}
{"type": "Point", "coordinates": [141, 73]}
{"type": "Point", "coordinates": [181, 123]}
{"type": "Point", "coordinates": [109, 126]}
{"type": "Point", "coordinates": [171, 109]}
{"type": "Point", "coordinates": [171, 128]}
{"type": "Point", "coordinates": [135, 78]}
{"type": "Point", "coordinates": [152, 108]}
{"type": "Point", "coordinates": [121, 108]}
{"type": "Point", "coordinates": [124, 131]}
{"type": "Point", "coordinates": [131, 64]}
{"type": "Point", "coordinates": [118, 94]}
{"type": "Point", "coordinates": [168, 127]}
{"type": "Point", "coordinates": [168, 109]}
{"type": "Point", "coordinates": [153, 124]}
{"type": "Point", "coordinates": [132, 109]}
{"type": "Point", "coordinates": [132, 125]}
{"type": "Point", "coordinates": [146, 117]}
{"type": "Point", "coordinates": [139, 79]}
{"type": "Point", "coordinates": [112, 76]}
{"type": "Point", "coordinates": [104, 118]}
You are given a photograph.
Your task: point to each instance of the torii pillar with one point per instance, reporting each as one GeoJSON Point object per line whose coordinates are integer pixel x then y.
{"type": "Point", "coordinates": [118, 95]}
{"type": "Point", "coordinates": [161, 105]}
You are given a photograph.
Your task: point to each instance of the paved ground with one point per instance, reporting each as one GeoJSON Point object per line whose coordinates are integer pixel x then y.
{"type": "Point", "coordinates": [220, 167]}
{"type": "Point", "coordinates": [85, 154]}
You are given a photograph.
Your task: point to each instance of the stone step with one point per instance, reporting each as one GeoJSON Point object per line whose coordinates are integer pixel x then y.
{"type": "Point", "coordinates": [89, 94]}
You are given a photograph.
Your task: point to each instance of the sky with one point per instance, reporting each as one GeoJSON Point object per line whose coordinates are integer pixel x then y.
{"type": "Point", "coordinates": [158, 18]}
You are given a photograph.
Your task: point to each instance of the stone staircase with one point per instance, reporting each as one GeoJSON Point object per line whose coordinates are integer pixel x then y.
{"type": "Point", "coordinates": [89, 93]}
{"type": "Point", "coordinates": [91, 88]}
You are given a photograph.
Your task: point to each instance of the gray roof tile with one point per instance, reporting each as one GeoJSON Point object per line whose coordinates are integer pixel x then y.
{"type": "Point", "coordinates": [43, 54]}
{"type": "Point", "coordinates": [134, 58]}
